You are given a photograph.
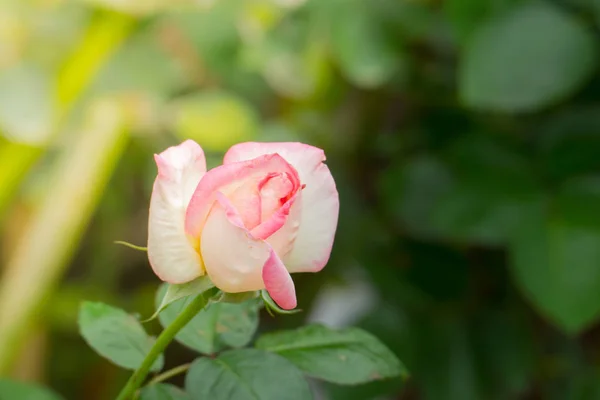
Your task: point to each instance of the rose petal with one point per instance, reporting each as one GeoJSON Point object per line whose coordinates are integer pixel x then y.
{"type": "Point", "coordinates": [303, 157]}
{"type": "Point", "coordinates": [233, 258]}
{"type": "Point", "coordinates": [275, 189]}
{"type": "Point", "coordinates": [283, 239]}
{"type": "Point", "coordinates": [279, 283]}
{"type": "Point", "coordinates": [268, 227]}
{"type": "Point", "coordinates": [237, 262]}
{"type": "Point", "coordinates": [170, 252]}
{"type": "Point", "coordinates": [247, 201]}
{"type": "Point", "coordinates": [226, 179]}
{"type": "Point", "coordinates": [318, 223]}
{"type": "Point", "coordinates": [320, 202]}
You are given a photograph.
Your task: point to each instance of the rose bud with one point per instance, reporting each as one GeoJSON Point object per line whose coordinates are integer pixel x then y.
{"type": "Point", "coordinates": [270, 210]}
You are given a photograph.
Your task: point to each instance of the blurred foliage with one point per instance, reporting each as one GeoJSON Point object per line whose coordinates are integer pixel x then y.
{"type": "Point", "coordinates": [464, 136]}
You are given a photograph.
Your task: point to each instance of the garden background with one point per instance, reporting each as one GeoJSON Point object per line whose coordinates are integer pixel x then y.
{"type": "Point", "coordinates": [464, 136]}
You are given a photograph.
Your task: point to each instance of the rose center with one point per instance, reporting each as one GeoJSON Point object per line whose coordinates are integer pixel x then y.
{"type": "Point", "coordinates": [275, 189]}
{"type": "Point", "coordinates": [257, 200]}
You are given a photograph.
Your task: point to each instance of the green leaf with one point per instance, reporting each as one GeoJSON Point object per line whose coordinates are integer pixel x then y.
{"type": "Point", "coordinates": [526, 59]}
{"type": "Point", "coordinates": [390, 324]}
{"type": "Point", "coordinates": [577, 201]}
{"type": "Point", "coordinates": [466, 16]}
{"type": "Point", "coordinates": [115, 335]}
{"type": "Point", "coordinates": [175, 292]}
{"type": "Point", "coordinates": [594, 6]}
{"type": "Point", "coordinates": [442, 358]}
{"type": "Point", "coordinates": [11, 390]}
{"type": "Point", "coordinates": [364, 53]}
{"type": "Point", "coordinates": [493, 187]}
{"type": "Point", "coordinates": [506, 355]}
{"type": "Point", "coordinates": [412, 189]}
{"type": "Point", "coordinates": [348, 356]}
{"type": "Point", "coordinates": [217, 326]}
{"type": "Point", "coordinates": [569, 143]}
{"type": "Point", "coordinates": [584, 385]}
{"type": "Point", "coordinates": [163, 391]}
{"type": "Point", "coordinates": [415, 21]}
{"type": "Point", "coordinates": [477, 195]}
{"type": "Point", "coordinates": [246, 374]}
{"type": "Point", "coordinates": [555, 258]}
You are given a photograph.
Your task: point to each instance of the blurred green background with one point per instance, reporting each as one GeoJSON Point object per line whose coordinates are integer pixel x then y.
{"type": "Point", "coordinates": [464, 136]}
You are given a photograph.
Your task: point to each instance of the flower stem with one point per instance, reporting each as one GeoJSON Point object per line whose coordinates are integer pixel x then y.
{"type": "Point", "coordinates": [169, 374]}
{"type": "Point", "coordinates": [138, 377]}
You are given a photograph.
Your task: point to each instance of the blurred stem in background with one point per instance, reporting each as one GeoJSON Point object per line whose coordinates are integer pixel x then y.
{"type": "Point", "coordinates": [15, 161]}
{"type": "Point", "coordinates": [55, 228]}
{"type": "Point", "coordinates": [104, 35]}
{"type": "Point", "coordinates": [42, 254]}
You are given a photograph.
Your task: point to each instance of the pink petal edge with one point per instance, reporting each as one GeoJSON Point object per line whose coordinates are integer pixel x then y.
{"type": "Point", "coordinates": [276, 278]}
{"type": "Point", "coordinates": [320, 203]}
{"type": "Point", "coordinates": [275, 221]}
{"type": "Point", "coordinates": [279, 283]}
{"type": "Point", "coordinates": [300, 155]}
{"type": "Point", "coordinates": [221, 176]}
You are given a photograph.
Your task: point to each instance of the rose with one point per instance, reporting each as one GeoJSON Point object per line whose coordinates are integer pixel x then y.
{"type": "Point", "coordinates": [270, 210]}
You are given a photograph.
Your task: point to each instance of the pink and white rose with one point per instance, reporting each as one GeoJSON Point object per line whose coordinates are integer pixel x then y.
{"type": "Point", "coordinates": [270, 210]}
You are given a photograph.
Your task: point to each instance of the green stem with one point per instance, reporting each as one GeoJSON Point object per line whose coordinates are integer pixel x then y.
{"type": "Point", "coordinates": [169, 374]}
{"type": "Point", "coordinates": [161, 343]}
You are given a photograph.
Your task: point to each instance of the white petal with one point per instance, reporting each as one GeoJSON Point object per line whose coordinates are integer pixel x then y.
{"type": "Point", "coordinates": [170, 251]}
{"type": "Point", "coordinates": [318, 223]}
{"type": "Point", "coordinates": [233, 258]}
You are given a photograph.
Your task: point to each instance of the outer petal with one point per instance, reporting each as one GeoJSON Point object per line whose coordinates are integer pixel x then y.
{"type": "Point", "coordinates": [238, 262]}
{"type": "Point", "coordinates": [278, 282]}
{"type": "Point", "coordinates": [227, 178]}
{"type": "Point", "coordinates": [320, 203]}
{"type": "Point", "coordinates": [170, 252]}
